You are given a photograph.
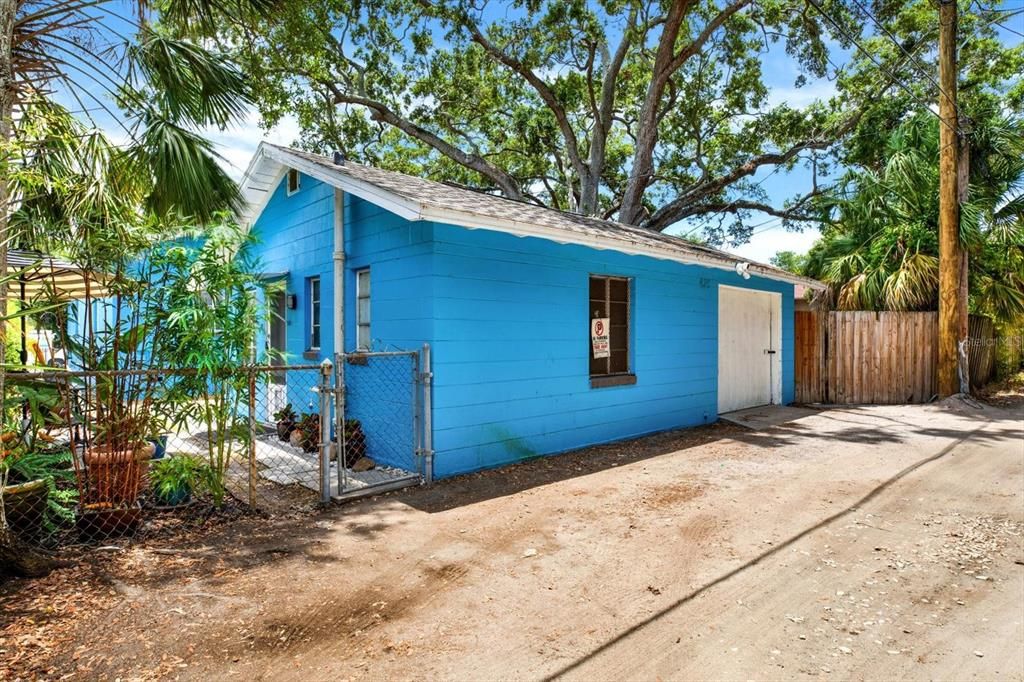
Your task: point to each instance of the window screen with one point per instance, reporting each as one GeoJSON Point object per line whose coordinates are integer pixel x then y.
{"type": "Point", "coordinates": [609, 300]}
{"type": "Point", "coordinates": [363, 309]}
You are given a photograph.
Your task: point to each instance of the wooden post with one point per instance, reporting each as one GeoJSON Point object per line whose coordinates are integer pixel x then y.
{"type": "Point", "coordinates": [253, 473]}
{"type": "Point", "coordinates": [948, 379]}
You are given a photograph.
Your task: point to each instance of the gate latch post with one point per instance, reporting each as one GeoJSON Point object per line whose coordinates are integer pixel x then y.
{"type": "Point", "coordinates": [326, 373]}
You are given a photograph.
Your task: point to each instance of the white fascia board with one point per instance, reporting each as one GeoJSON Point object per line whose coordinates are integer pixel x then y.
{"type": "Point", "coordinates": [413, 210]}
{"type": "Point", "coordinates": [523, 229]}
{"type": "Point", "coordinates": [254, 209]}
{"type": "Point", "coordinates": [389, 201]}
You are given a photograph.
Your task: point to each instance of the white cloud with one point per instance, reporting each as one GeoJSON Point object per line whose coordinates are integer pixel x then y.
{"type": "Point", "coordinates": [764, 245]}
{"type": "Point", "coordinates": [798, 98]}
{"type": "Point", "coordinates": [237, 144]}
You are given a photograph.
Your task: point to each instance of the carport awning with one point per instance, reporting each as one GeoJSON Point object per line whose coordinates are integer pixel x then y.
{"type": "Point", "coordinates": [32, 274]}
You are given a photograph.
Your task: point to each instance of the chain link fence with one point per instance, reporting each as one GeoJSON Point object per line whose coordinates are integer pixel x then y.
{"type": "Point", "coordinates": [382, 429]}
{"type": "Point", "coordinates": [272, 438]}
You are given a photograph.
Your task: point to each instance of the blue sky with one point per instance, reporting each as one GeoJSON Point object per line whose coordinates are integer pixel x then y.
{"type": "Point", "coordinates": [237, 145]}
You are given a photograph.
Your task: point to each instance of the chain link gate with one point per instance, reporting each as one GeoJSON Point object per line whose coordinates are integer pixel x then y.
{"type": "Point", "coordinates": [278, 438]}
{"type": "Point", "coordinates": [376, 430]}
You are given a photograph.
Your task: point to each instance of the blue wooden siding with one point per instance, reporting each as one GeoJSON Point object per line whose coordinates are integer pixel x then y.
{"type": "Point", "coordinates": [511, 342]}
{"type": "Point", "coordinates": [507, 318]}
{"type": "Point", "coordinates": [296, 235]}
{"type": "Point", "coordinates": [380, 393]}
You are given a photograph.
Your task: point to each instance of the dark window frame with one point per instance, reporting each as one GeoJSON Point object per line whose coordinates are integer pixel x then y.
{"type": "Point", "coordinates": [315, 311]}
{"type": "Point", "coordinates": [615, 290]}
{"type": "Point", "coordinates": [290, 186]}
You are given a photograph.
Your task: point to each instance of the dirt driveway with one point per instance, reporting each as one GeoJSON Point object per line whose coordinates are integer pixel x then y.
{"type": "Point", "coordinates": [881, 542]}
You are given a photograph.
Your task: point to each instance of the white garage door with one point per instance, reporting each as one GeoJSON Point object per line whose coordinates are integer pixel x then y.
{"type": "Point", "coordinates": [749, 364]}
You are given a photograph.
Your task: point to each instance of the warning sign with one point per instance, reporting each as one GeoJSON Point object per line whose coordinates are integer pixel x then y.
{"type": "Point", "coordinates": [599, 337]}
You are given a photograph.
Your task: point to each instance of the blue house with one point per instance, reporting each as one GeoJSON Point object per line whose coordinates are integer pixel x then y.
{"type": "Point", "coordinates": [549, 331]}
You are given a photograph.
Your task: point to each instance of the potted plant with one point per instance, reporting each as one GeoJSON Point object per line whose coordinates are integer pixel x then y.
{"type": "Point", "coordinates": [174, 479]}
{"type": "Point", "coordinates": [307, 432]}
{"type": "Point", "coordinates": [35, 473]}
{"type": "Point", "coordinates": [286, 420]}
{"type": "Point", "coordinates": [159, 446]}
{"type": "Point", "coordinates": [355, 442]}
{"type": "Point", "coordinates": [119, 411]}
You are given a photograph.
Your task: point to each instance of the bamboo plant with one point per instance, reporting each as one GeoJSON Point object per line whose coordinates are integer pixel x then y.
{"type": "Point", "coordinates": [208, 310]}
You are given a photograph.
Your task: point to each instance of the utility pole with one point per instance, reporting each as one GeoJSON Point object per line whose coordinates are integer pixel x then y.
{"type": "Point", "coordinates": [948, 374]}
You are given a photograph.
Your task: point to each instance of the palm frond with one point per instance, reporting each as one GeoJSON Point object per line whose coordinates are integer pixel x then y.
{"type": "Point", "coordinates": [186, 176]}
{"type": "Point", "coordinates": [191, 86]}
{"type": "Point", "coordinates": [914, 285]}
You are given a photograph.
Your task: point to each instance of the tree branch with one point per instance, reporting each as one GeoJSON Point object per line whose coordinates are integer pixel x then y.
{"type": "Point", "coordinates": [666, 63]}
{"type": "Point", "coordinates": [794, 212]}
{"type": "Point", "coordinates": [381, 112]}
{"type": "Point", "coordinates": [678, 208]}
{"type": "Point", "coordinates": [538, 84]}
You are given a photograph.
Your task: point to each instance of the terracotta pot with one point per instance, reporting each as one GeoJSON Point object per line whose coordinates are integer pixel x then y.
{"type": "Point", "coordinates": [101, 521]}
{"type": "Point", "coordinates": [117, 477]}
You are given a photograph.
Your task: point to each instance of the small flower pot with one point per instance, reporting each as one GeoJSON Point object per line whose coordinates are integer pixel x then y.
{"type": "Point", "coordinates": [159, 447]}
{"type": "Point", "coordinates": [179, 496]}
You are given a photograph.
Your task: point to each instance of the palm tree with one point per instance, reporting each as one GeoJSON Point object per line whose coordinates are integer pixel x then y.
{"type": "Point", "coordinates": [881, 251]}
{"type": "Point", "coordinates": [159, 88]}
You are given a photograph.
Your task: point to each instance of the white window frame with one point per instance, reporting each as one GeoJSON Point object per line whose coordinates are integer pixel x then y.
{"type": "Point", "coordinates": [363, 338]}
{"type": "Point", "coordinates": [315, 313]}
{"type": "Point", "coordinates": [288, 181]}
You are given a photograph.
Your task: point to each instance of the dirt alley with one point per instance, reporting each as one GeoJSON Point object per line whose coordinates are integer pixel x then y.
{"type": "Point", "coordinates": [874, 542]}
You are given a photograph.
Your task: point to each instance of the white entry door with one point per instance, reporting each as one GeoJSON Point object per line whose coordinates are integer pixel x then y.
{"type": "Point", "coordinates": [749, 361]}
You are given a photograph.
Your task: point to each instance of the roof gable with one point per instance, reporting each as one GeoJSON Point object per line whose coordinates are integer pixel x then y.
{"type": "Point", "coordinates": [415, 198]}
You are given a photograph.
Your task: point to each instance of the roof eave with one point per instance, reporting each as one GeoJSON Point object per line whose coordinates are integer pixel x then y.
{"type": "Point", "coordinates": [413, 210]}
{"type": "Point", "coordinates": [519, 228]}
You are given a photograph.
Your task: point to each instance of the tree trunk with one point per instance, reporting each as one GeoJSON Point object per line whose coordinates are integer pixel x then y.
{"type": "Point", "coordinates": [631, 211]}
{"type": "Point", "coordinates": [8, 9]}
{"type": "Point", "coordinates": [15, 557]}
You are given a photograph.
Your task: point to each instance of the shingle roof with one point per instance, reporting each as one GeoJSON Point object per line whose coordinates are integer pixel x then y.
{"type": "Point", "coordinates": [470, 208]}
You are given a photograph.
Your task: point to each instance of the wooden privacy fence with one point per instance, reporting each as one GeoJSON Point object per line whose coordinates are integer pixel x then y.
{"type": "Point", "coordinates": [981, 355]}
{"type": "Point", "coordinates": [864, 357]}
{"type": "Point", "coordinates": [861, 357]}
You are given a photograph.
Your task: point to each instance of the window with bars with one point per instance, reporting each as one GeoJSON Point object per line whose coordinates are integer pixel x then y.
{"type": "Point", "coordinates": [363, 340]}
{"type": "Point", "coordinates": [610, 302]}
{"type": "Point", "coordinates": [314, 313]}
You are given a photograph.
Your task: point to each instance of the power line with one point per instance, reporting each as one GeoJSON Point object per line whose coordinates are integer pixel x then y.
{"type": "Point", "coordinates": [1007, 28]}
{"type": "Point", "coordinates": [883, 69]}
{"type": "Point", "coordinates": [895, 41]}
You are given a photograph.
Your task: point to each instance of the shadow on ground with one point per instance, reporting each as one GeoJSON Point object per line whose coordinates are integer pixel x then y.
{"type": "Point", "coordinates": [959, 437]}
